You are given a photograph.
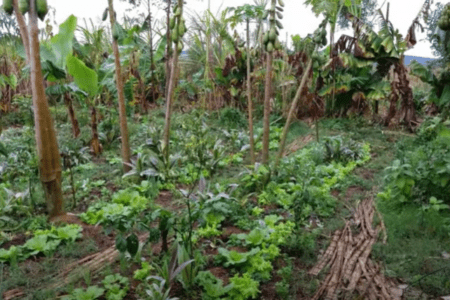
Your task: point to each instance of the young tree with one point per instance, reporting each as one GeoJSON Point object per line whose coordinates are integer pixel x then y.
{"type": "Point", "coordinates": [247, 13]}
{"type": "Point", "coordinates": [46, 143]}
{"type": "Point", "coordinates": [271, 43]}
{"type": "Point", "coordinates": [168, 48]}
{"type": "Point", "coordinates": [121, 98]}
{"type": "Point", "coordinates": [178, 26]}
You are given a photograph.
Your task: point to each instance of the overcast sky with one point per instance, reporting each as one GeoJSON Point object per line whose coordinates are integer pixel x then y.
{"type": "Point", "coordinates": [298, 18]}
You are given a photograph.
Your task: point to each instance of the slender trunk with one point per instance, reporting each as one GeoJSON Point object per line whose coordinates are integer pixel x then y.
{"type": "Point", "coordinates": [266, 120]}
{"type": "Point", "coordinates": [95, 142]}
{"type": "Point", "coordinates": [168, 50]}
{"type": "Point", "coordinates": [46, 143]}
{"type": "Point", "coordinates": [317, 129]}
{"type": "Point", "coordinates": [208, 54]}
{"type": "Point", "coordinates": [291, 113]}
{"type": "Point", "coordinates": [249, 95]}
{"type": "Point", "coordinates": [169, 105]}
{"type": "Point", "coordinates": [152, 67]}
{"type": "Point", "coordinates": [23, 29]}
{"type": "Point", "coordinates": [71, 112]}
{"type": "Point", "coordinates": [122, 111]}
{"type": "Point", "coordinates": [333, 96]}
{"type": "Point", "coordinates": [267, 97]}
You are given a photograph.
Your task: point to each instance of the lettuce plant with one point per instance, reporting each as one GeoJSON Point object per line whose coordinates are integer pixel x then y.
{"type": "Point", "coordinates": [212, 285]}
{"type": "Point", "coordinates": [243, 287]}
{"type": "Point", "coordinates": [234, 258]}
{"type": "Point", "coordinates": [144, 272]}
{"type": "Point", "coordinates": [91, 293]}
{"type": "Point", "coordinates": [116, 286]}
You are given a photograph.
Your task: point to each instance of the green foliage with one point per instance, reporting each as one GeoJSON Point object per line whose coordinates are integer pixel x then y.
{"type": "Point", "coordinates": [232, 118]}
{"type": "Point", "coordinates": [421, 171]}
{"type": "Point", "coordinates": [116, 286]}
{"type": "Point", "coordinates": [84, 77]}
{"type": "Point", "coordinates": [440, 89]}
{"type": "Point", "coordinates": [144, 272]}
{"type": "Point", "coordinates": [126, 204]}
{"type": "Point", "coordinates": [62, 42]}
{"type": "Point", "coordinates": [44, 241]}
{"type": "Point", "coordinates": [213, 287]}
{"type": "Point", "coordinates": [282, 287]}
{"type": "Point", "coordinates": [41, 244]}
{"type": "Point", "coordinates": [12, 255]}
{"type": "Point", "coordinates": [342, 151]}
{"type": "Point", "coordinates": [259, 267]}
{"type": "Point", "coordinates": [255, 180]}
{"type": "Point", "coordinates": [243, 287]}
{"type": "Point", "coordinates": [91, 293]}
{"type": "Point", "coordinates": [68, 233]}
{"type": "Point", "coordinates": [233, 258]}
{"type": "Point", "coordinates": [212, 222]}
{"type": "Point", "coordinates": [256, 237]}
{"type": "Point", "coordinates": [417, 242]}
{"type": "Point", "coordinates": [159, 292]}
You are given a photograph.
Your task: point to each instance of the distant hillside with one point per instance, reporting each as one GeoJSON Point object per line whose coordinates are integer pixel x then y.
{"type": "Point", "coordinates": [421, 60]}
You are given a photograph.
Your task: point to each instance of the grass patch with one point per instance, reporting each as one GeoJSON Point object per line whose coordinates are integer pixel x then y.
{"type": "Point", "coordinates": [415, 247]}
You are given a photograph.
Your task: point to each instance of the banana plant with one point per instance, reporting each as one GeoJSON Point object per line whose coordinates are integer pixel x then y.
{"type": "Point", "coordinates": [440, 84]}
{"type": "Point", "coordinates": [440, 87]}
{"type": "Point", "coordinates": [9, 83]}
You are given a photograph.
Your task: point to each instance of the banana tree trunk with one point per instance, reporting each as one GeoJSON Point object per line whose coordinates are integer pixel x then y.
{"type": "Point", "coordinates": [46, 143]}
{"type": "Point", "coordinates": [72, 117]}
{"type": "Point", "coordinates": [122, 111]}
{"type": "Point", "coordinates": [249, 96]}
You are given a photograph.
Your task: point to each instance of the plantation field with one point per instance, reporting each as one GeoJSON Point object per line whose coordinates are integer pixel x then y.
{"type": "Point", "coordinates": [251, 234]}
{"type": "Point", "coordinates": [163, 150]}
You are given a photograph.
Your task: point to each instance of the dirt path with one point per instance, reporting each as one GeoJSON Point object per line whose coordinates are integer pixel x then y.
{"type": "Point", "coordinates": [351, 270]}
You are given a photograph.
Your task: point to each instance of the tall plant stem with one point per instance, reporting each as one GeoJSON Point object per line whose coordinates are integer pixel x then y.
{"type": "Point", "coordinates": [23, 29]}
{"type": "Point", "coordinates": [46, 143]}
{"type": "Point", "coordinates": [291, 113]}
{"type": "Point", "coordinates": [119, 83]}
{"type": "Point", "coordinates": [249, 96]}
{"type": "Point", "coordinates": [170, 93]}
{"type": "Point", "coordinates": [208, 54]}
{"type": "Point", "coordinates": [169, 104]}
{"type": "Point", "coordinates": [267, 96]}
{"type": "Point", "coordinates": [152, 66]}
{"type": "Point", "coordinates": [168, 49]}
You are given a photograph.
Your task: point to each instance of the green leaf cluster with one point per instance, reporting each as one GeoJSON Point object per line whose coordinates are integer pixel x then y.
{"type": "Point", "coordinates": [44, 241]}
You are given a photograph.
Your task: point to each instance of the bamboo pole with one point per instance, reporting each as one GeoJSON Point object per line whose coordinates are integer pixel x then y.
{"type": "Point", "coordinates": [291, 114]}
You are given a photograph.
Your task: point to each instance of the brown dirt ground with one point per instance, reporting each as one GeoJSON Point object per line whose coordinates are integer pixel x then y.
{"type": "Point", "coordinates": [17, 240]}
{"type": "Point", "coordinates": [353, 190]}
{"type": "Point", "coordinates": [165, 199]}
{"type": "Point", "coordinates": [221, 273]}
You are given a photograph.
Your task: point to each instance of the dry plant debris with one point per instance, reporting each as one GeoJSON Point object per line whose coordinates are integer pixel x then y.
{"type": "Point", "coordinates": [351, 271]}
